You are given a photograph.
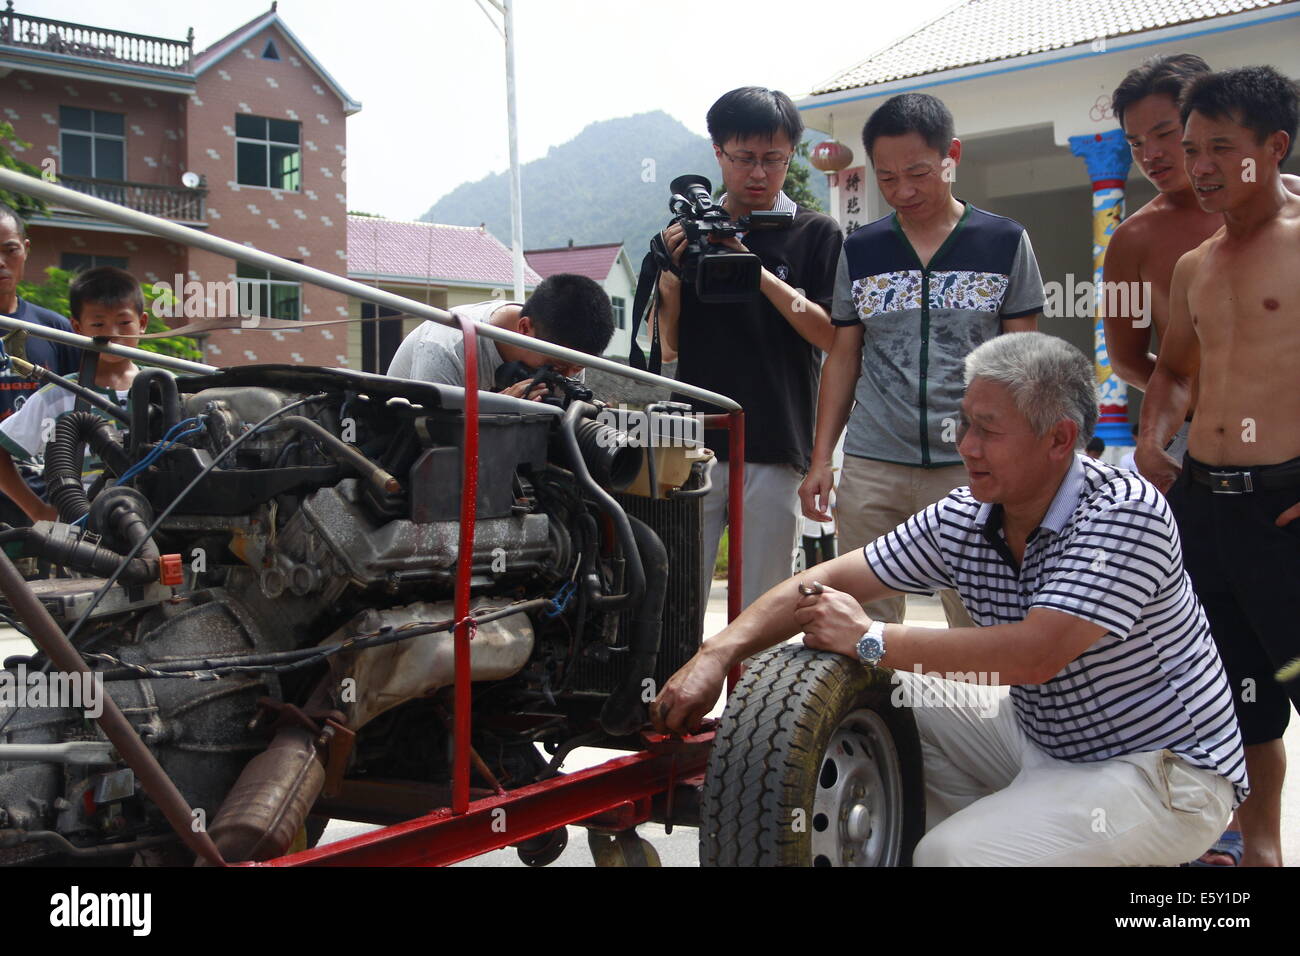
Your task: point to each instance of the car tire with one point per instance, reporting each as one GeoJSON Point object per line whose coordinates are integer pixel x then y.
{"type": "Point", "coordinates": [812, 765]}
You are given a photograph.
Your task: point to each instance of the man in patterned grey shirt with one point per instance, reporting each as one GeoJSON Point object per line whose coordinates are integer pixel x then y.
{"type": "Point", "coordinates": [915, 292]}
{"type": "Point", "coordinates": [1121, 746]}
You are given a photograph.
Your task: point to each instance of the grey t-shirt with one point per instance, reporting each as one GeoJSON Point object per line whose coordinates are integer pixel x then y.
{"type": "Point", "coordinates": [436, 353]}
{"type": "Point", "coordinates": [921, 323]}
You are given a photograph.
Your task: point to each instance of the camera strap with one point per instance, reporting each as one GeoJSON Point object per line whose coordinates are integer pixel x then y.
{"type": "Point", "coordinates": [645, 308]}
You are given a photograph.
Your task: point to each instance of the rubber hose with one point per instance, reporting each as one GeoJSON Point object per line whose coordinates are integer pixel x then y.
{"type": "Point", "coordinates": [625, 710]}
{"type": "Point", "coordinates": [63, 469]}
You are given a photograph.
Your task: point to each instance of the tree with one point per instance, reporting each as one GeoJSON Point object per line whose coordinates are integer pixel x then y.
{"type": "Point", "coordinates": [796, 180]}
{"type": "Point", "coordinates": [25, 206]}
{"type": "Point", "coordinates": [53, 295]}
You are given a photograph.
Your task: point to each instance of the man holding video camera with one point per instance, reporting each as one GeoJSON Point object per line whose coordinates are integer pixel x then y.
{"type": "Point", "coordinates": [764, 350]}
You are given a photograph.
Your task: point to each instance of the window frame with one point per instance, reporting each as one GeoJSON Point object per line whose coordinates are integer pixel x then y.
{"type": "Point", "coordinates": [271, 282]}
{"type": "Point", "coordinates": [267, 145]}
{"type": "Point", "coordinates": [94, 136]}
{"type": "Point", "coordinates": [119, 262]}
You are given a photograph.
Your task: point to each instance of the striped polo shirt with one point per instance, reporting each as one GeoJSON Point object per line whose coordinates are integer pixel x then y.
{"type": "Point", "coordinates": [920, 322]}
{"type": "Point", "coordinates": [1107, 551]}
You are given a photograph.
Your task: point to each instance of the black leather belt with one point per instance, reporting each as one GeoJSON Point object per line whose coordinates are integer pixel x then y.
{"type": "Point", "coordinates": [1227, 480]}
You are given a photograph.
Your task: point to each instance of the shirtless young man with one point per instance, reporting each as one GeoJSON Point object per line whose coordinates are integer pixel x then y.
{"type": "Point", "coordinates": [1146, 245]}
{"type": "Point", "coordinates": [1234, 327]}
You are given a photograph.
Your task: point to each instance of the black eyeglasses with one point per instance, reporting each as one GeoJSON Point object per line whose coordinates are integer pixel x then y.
{"type": "Point", "coordinates": [749, 162]}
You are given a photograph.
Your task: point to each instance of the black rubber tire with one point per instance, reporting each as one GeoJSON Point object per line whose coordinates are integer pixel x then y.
{"type": "Point", "coordinates": [769, 750]}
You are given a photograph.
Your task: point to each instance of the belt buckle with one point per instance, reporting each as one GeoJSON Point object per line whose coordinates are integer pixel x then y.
{"type": "Point", "coordinates": [1231, 483]}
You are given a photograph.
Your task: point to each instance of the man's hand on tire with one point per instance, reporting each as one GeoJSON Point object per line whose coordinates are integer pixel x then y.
{"type": "Point", "coordinates": [831, 620]}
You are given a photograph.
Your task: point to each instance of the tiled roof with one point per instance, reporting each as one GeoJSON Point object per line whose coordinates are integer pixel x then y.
{"type": "Point", "coordinates": [430, 252]}
{"type": "Point", "coordinates": [982, 31]}
{"type": "Point", "coordinates": [594, 262]}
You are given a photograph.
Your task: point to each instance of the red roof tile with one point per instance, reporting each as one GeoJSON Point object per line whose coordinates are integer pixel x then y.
{"type": "Point", "coordinates": [429, 252]}
{"type": "Point", "coordinates": [594, 262]}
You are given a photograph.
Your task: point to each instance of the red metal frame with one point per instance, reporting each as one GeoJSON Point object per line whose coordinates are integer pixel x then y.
{"type": "Point", "coordinates": [464, 568]}
{"type": "Point", "coordinates": [623, 787]}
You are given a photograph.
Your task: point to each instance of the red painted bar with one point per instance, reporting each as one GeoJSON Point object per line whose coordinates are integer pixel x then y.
{"type": "Point", "coordinates": [444, 837]}
{"type": "Point", "coordinates": [464, 570]}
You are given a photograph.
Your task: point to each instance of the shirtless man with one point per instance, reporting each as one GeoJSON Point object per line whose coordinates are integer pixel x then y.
{"type": "Point", "coordinates": [1145, 247]}
{"type": "Point", "coordinates": [1234, 327]}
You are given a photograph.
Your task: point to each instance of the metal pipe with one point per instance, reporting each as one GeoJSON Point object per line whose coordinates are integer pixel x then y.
{"type": "Point", "coordinates": [516, 190]}
{"type": "Point", "coordinates": [90, 752]}
{"type": "Point", "coordinates": [464, 569]}
{"type": "Point", "coordinates": [248, 255]}
{"type": "Point", "coordinates": [46, 635]}
{"type": "Point", "coordinates": [85, 342]}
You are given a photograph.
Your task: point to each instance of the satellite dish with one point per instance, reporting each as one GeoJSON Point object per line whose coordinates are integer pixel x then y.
{"type": "Point", "coordinates": [191, 180]}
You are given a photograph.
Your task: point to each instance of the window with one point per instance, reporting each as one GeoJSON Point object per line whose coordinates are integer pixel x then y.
{"type": "Point", "coordinates": [80, 262]}
{"type": "Point", "coordinates": [379, 340]}
{"type": "Point", "coordinates": [92, 143]}
{"type": "Point", "coordinates": [620, 311]}
{"type": "Point", "coordinates": [269, 52]}
{"type": "Point", "coordinates": [267, 294]}
{"type": "Point", "coordinates": [268, 152]}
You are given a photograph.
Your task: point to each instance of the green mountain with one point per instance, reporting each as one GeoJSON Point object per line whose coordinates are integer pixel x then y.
{"type": "Point", "coordinates": [608, 183]}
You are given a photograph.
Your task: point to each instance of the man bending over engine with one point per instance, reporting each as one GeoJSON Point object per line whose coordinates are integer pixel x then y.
{"type": "Point", "coordinates": [568, 310]}
{"type": "Point", "coordinates": [1122, 747]}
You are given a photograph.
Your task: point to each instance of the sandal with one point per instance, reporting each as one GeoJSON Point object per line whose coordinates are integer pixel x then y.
{"type": "Point", "coordinates": [1229, 845]}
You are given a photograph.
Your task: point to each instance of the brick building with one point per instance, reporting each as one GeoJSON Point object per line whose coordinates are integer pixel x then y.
{"type": "Point", "coordinates": [257, 120]}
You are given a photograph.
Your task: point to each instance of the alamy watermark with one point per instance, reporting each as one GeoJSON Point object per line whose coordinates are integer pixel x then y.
{"type": "Point", "coordinates": [948, 689]}
{"type": "Point", "coordinates": [652, 429]}
{"type": "Point", "coordinates": [192, 299]}
{"type": "Point", "coordinates": [82, 690]}
{"type": "Point", "coordinates": [1079, 300]}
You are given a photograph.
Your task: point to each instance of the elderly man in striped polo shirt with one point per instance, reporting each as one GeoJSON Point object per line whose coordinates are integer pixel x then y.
{"type": "Point", "coordinates": [1121, 747]}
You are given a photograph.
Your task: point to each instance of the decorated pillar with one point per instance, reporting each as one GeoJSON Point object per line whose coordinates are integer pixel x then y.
{"type": "Point", "coordinates": [1107, 157]}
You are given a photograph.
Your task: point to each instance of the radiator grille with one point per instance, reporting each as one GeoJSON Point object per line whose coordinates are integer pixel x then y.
{"type": "Point", "coordinates": [678, 522]}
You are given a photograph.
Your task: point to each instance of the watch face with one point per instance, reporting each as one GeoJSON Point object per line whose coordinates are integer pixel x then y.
{"type": "Point", "coordinates": [870, 649]}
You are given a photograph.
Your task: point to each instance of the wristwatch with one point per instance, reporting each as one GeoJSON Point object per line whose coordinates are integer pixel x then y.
{"type": "Point", "coordinates": [871, 645]}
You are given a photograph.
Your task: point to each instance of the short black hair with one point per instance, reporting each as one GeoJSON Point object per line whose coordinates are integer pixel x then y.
{"type": "Point", "coordinates": [1164, 75]}
{"type": "Point", "coordinates": [1096, 444]}
{"type": "Point", "coordinates": [1256, 97]}
{"type": "Point", "coordinates": [573, 311]}
{"type": "Point", "coordinates": [107, 286]}
{"type": "Point", "coordinates": [753, 111]}
{"type": "Point", "coordinates": [911, 113]}
{"type": "Point", "coordinates": [8, 212]}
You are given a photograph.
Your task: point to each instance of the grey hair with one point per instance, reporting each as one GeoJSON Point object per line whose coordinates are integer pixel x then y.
{"type": "Point", "coordinates": [1048, 378]}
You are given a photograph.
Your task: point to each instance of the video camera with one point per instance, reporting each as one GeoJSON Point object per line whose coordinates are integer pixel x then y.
{"type": "Point", "coordinates": [718, 274]}
{"type": "Point", "coordinates": [562, 389]}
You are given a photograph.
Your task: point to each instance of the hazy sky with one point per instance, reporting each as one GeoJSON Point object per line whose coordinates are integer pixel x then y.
{"type": "Point", "coordinates": [431, 75]}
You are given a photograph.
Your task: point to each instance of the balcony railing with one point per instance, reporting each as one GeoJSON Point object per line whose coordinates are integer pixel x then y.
{"type": "Point", "coordinates": [168, 202]}
{"type": "Point", "coordinates": [94, 43]}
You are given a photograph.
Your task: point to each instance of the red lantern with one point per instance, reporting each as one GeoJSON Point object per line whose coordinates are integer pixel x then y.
{"type": "Point", "coordinates": [830, 156]}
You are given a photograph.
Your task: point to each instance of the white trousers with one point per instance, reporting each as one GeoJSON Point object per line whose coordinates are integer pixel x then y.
{"type": "Point", "coordinates": [773, 520]}
{"type": "Point", "coordinates": [994, 798]}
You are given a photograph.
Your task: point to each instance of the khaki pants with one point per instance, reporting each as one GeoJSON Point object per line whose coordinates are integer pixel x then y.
{"type": "Point", "coordinates": [875, 497]}
{"type": "Point", "coordinates": [994, 798]}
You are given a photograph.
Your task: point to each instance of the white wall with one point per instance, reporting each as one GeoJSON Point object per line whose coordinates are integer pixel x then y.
{"type": "Point", "coordinates": [621, 283]}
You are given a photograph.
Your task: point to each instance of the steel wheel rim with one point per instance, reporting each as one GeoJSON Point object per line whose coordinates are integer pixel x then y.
{"type": "Point", "coordinates": [858, 797]}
